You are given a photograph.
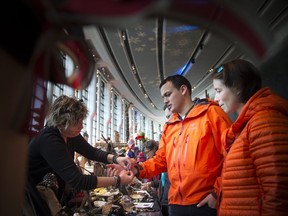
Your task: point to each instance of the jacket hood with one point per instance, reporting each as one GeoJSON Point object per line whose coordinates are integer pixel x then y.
{"type": "Point", "coordinates": [197, 110]}
{"type": "Point", "coordinates": [264, 99]}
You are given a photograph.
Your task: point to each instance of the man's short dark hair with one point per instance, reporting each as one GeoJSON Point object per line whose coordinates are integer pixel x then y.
{"type": "Point", "coordinates": [177, 81]}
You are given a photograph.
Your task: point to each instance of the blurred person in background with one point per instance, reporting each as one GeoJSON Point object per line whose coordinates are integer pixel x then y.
{"type": "Point", "coordinates": [130, 151]}
{"type": "Point", "coordinates": [160, 182]}
{"type": "Point", "coordinates": [149, 149]}
{"type": "Point", "coordinates": [165, 183]}
{"type": "Point", "coordinates": [255, 170]}
{"type": "Point", "coordinates": [141, 157]}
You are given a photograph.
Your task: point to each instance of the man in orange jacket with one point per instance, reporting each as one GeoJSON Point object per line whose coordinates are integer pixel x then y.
{"type": "Point", "coordinates": [189, 150]}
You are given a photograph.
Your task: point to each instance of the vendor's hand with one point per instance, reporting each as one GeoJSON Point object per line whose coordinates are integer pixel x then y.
{"type": "Point", "coordinates": [115, 167]}
{"type": "Point", "coordinates": [111, 171]}
{"type": "Point", "coordinates": [210, 200]}
{"type": "Point", "coordinates": [126, 177]}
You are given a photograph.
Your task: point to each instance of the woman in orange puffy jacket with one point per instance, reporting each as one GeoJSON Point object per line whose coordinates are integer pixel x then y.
{"type": "Point", "coordinates": [255, 170]}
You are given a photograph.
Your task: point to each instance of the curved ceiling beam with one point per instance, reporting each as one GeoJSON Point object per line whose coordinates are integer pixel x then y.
{"type": "Point", "coordinates": [226, 17]}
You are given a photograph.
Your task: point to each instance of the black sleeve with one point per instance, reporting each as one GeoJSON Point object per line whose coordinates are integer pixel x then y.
{"type": "Point", "coordinates": [155, 183]}
{"type": "Point", "coordinates": [55, 152]}
{"type": "Point", "coordinates": [84, 148]}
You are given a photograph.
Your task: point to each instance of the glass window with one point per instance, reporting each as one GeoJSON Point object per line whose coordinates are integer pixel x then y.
{"type": "Point", "coordinates": [38, 103]}
{"type": "Point", "coordinates": [58, 89]}
{"type": "Point", "coordinates": [84, 97]}
{"type": "Point", "coordinates": [94, 115]}
{"type": "Point", "coordinates": [101, 108]}
{"type": "Point", "coordinates": [125, 121]}
{"type": "Point", "coordinates": [115, 111]}
{"type": "Point", "coordinates": [143, 123]}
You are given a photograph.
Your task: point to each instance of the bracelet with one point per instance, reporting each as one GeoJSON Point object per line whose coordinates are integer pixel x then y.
{"type": "Point", "coordinates": [117, 181]}
{"type": "Point", "coordinates": [114, 159]}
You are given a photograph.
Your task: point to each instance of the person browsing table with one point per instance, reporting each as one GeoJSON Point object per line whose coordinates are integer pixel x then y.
{"type": "Point", "coordinates": [189, 150]}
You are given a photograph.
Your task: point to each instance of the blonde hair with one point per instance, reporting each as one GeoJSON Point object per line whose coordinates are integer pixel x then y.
{"type": "Point", "coordinates": [66, 111]}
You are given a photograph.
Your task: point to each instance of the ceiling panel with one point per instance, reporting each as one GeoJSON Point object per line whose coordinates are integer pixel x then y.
{"type": "Point", "coordinates": [179, 42]}
{"type": "Point", "coordinates": [159, 46]}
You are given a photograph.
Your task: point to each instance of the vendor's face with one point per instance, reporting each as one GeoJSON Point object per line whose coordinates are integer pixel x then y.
{"type": "Point", "coordinates": [74, 130]}
{"type": "Point", "coordinates": [226, 99]}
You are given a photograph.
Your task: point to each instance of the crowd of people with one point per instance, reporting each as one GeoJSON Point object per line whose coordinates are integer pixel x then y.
{"type": "Point", "coordinates": [209, 164]}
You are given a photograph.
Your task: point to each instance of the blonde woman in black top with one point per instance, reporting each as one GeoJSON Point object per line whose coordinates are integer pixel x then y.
{"type": "Point", "coordinates": [53, 149]}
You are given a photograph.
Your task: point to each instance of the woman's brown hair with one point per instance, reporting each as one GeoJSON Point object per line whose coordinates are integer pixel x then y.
{"type": "Point", "coordinates": [241, 76]}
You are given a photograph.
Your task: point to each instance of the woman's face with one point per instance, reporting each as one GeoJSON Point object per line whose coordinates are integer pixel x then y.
{"type": "Point", "coordinates": [73, 130]}
{"type": "Point", "coordinates": [226, 99]}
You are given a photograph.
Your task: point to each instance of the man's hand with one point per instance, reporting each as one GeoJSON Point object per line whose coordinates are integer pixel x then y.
{"type": "Point", "coordinates": [210, 200]}
{"type": "Point", "coordinates": [126, 163]}
{"type": "Point", "coordinates": [126, 177]}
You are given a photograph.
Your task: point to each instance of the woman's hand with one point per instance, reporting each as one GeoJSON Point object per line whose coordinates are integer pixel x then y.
{"type": "Point", "coordinates": [115, 167]}
{"type": "Point", "coordinates": [126, 177]}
